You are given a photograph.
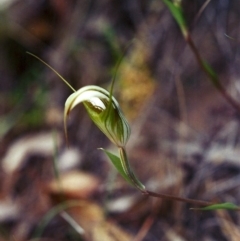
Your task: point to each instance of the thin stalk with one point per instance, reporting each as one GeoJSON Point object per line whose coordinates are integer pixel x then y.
{"type": "Point", "coordinates": [65, 81]}
{"type": "Point", "coordinates": [134, 180]}
{"type": "Point", "coordinates": [201, 10]}
{"type": "Point", "coordinates": [177, 13]}
{"type": "Point", "coordinates": [117, 67]}
{"type": "Point", "coordinates": [213, 77]}
{"type": "Point", "coordinates": [179, 199]}
{"type": "Point", "coordinates": [51, 214]}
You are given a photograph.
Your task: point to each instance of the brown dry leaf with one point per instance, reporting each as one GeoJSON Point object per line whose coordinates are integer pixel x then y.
{"type": "Point", "coordinates": [229, 228]}
{"type": "Point", "coordinates": [130, 208]}
{"type": "Point", "coordinates": [41, 144]}
{"type": "Point", "coordinates": [90, 216]}
{"type": "Point", "coordinates": [123, 203]}
{"type": "Point", "coordinates": [108, 231]}
{"type": "Point", "coordinates": [172, 235]}
{"type": "Point", "coordinates": [74, 184]}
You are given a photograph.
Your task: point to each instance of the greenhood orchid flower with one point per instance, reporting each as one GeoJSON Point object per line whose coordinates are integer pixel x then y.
{"type": "Point", "coordinates": [104, 111]}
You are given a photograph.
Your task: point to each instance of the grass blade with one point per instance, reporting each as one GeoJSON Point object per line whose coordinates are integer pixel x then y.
{"type": "Point", "coordinates": [226, 206]}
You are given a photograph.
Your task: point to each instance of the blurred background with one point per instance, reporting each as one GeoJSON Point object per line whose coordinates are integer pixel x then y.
{"type": "Point", "coordinates": [185, 136]}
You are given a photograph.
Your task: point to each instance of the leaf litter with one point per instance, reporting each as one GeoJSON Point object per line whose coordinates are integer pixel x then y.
{"type": "Point", "coordinates": [199, 162]}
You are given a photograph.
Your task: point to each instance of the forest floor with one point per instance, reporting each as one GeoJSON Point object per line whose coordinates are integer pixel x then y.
{"type": "Point", "coordinates": [184, 134]}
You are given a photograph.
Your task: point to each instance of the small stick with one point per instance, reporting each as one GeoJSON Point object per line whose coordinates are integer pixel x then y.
{"type": "Point", "coordinates": [180, 199]}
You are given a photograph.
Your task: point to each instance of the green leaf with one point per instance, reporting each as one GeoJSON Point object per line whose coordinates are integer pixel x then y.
{"type": "Point", "coordinates": [177, 13]}
{"type": "Point", "coordinates": [227, 206]}
{"type": "Point", "coordinates": [122, 165]}
{"type": "Point", "coordinates": [117, 163]}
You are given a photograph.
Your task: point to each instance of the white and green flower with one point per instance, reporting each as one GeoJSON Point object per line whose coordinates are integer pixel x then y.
{"type": "Point", "coordinates": [104, 111]}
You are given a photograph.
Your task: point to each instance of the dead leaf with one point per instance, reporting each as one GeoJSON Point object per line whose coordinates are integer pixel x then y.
{"type": "Point", "coordinates": [91, 218]}
{"type": "Point", "coordinates": [74, 184]}
{"type": "Point", "coordinates": [42, 144]}
{"type": "Point", "coordinates": [229, 228]}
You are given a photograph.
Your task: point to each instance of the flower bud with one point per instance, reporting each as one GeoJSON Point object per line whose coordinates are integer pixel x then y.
{"type": "Point", "coordinates": [104, 111]}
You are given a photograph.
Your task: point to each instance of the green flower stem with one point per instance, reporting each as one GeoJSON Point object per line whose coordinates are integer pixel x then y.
{"type": "Point", "coordinates": [128, 170]}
